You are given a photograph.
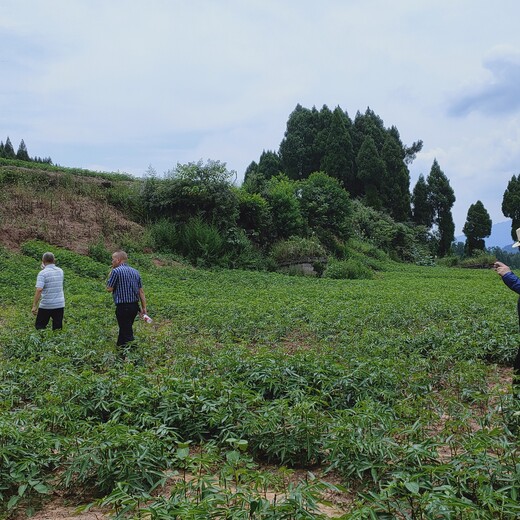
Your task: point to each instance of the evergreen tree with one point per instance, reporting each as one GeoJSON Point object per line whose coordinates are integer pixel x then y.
{"type": "Point", "coordinates": [325, 206]}
{"type": "Point", "coordinates": [477, 227]}
{"type": "Point", "coordinates": [441, 198]}
{"type": "Point", "coordinates": [338, 154]}
{"type": "Point", "coordinates": [511, 204]}
{"type": "Point", "coordinates": [9, 150]}
{"type": "Point", "coordinates": [422, 213]}
{"type": "Point", "coordinates": [298, 150]}
{"type": "Point", "coordinates": [371, 169]}
{"type": "Point", "coordinates": [257, 174]}
{"type": "Point", "coordinates": [22, 154]}
{"type": "Point", "coordinates": [1, 149]}
{"type": "Point", "coordinates": [395, 183]}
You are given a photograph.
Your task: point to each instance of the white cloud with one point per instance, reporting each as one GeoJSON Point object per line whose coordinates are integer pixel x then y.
{"type": "Point", "coordinates": [123, 84]}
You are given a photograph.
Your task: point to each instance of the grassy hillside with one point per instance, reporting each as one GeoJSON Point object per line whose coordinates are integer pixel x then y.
{"type": "Point", "coordinates": [66, 207]}
{"type": "Point", "coordinates": [257, 395]}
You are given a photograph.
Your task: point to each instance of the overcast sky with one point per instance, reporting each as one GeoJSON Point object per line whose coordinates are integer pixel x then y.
{"type": "Point", "coordinates": [118, 85]}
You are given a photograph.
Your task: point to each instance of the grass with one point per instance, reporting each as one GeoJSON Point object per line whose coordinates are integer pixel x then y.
{"type": "Point", "coordinates": [392, 388]}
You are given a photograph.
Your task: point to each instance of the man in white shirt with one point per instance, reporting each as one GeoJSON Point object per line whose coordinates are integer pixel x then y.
{"type": "Point", "coordinates": [49, 288]}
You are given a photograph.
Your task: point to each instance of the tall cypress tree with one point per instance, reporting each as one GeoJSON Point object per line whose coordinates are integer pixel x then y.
{"type": "Point", "coordinates": [338, 158]}
{"type": "Point", "coordinates": [9, 150]}
{"type": "Point", "coordinates": [22, 154]}
{"type": "Point", "coordinates": [477, 227]}
{"type": "Point", "coordinates": [370, 171]}
{"type": "Point", "coordinates": [511, 204]}
{"type": "Point", "coordinates": [422, 213]}
{"type": "Point", "coordinates": [441, 198]}
{"type": "Point", "coordinates": [395, 183]}
{"type": "Point", "coordinates": [298, 149]}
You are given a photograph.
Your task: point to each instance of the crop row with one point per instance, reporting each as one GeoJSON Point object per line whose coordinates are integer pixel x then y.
{"type": "Point", "coordinates": [384, 384]}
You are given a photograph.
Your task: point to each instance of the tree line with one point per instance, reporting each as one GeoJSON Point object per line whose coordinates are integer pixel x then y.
{"type": "Point", "coordinates": [331, 179]}
{"type": "Point", "coordinates": [7, 152]}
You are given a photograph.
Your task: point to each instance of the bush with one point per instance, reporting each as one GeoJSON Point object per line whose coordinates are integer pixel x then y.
{"type": "Point", "coordinates": [64, 258]}
{"type": "Point", "coordinates": [201, 243]}
{"type": "Point", "coordinates": [165, 235]}
{"type": "Point", "coordinates": [352, 269]}
{"type": "Point", "coordinates": [297, 249]}
{"type": "Point", "coordinates": [99, 252]}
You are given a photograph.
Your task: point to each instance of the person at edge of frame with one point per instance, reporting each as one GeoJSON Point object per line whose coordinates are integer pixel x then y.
{"type": "Point", "coordinates": [513, 282]}
{"type": "Point", "coordinates": [124, 282]}
{"type": "Point", "coordinates": [49, 294]}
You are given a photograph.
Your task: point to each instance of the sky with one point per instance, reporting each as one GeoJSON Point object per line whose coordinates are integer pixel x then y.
{"type": "Point", "coordinates": [125, 85]}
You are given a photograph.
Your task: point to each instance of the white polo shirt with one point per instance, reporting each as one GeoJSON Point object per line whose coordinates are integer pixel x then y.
{"type": "Point", "coordinates": [50, 280]}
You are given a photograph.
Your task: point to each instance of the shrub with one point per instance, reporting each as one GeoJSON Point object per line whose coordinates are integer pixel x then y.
{"type": "Point", "coordinates": [64, 258]}
{"type": "Point", "coordinates": [201, 243]}
{"type": "Point", "coordinates": [295, 249]}
{"type": "Point", "coordinates": [352, 269]}
{"type": "Point", "coordinates": [99, 252]}
{"type": "Point", "coordinates": [165, 235]}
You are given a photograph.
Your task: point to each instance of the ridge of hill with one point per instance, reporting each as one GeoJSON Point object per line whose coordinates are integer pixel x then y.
{"type": "Point", "coordinates": [70, 208]}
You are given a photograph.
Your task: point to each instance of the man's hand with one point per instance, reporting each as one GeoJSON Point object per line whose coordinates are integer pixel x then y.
{"type": "Point", "coordinates": [501, 268]}
{"type": "Point", "coordinates": [35, 310]}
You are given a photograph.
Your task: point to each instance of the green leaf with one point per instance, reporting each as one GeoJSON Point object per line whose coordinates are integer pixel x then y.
{"type": "Point", "coordinates": [413, 487]}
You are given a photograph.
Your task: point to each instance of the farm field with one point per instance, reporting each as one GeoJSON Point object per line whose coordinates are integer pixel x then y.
{"type": "Point", "coordinates": [261, 396]}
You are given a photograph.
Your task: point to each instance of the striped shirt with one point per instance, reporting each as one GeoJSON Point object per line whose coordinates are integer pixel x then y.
{"type": "Point", "coordinates": [125, 282]}
{"type": "Point", "coordinates": [50, 280]}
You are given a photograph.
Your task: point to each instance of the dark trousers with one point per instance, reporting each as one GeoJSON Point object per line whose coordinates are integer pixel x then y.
{"type": "Point", "coordinates": [125, 314]}
{"type": "Point", "coordinates": [44, 315]}
{"type": "Point", "coordinates": [516, 371]}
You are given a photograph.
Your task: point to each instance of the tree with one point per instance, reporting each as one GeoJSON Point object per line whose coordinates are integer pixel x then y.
{"type": "Point", "coordinates": [194, 190]}
{"type": "Point", "coordinates": [22, 154]}
{"type": "Point", "coordinates": [325, 205]}
{"type": "Point", "coordinates": [298, 149]}
{"type": "Point", "coordinates": [395, 182]}
{"type": "Point", "coordinates": [9, 150]}
{"type": "Point", "coordinates": [257, 175]}
{"type": "Point", "coordinates": [441, 200]}
{"type": "Point", "coordinates": [370, 171]}
{"type": "Point", "coordinates": [286, 216]}
{"type": "Point", "coordinates": [422, 213]}
{"type": "Point", "coordinates": [511, 204]}
{"type": "Point", "coordinates": [477, 227]}
{"type": "Point", "coordinates": [338, 154]}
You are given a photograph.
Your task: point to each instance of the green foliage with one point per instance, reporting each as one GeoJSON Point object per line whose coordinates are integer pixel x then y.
{"type": "Point", "coordinates": [286, 214]}
{"type": "Point", "coordinates": [477, 227]}
{"type": "Point", "coordinates": [353, 269]}
{"type": "Point", "coordinates": [441, 200]}
{"type": "Point", "coordinates": [389, 385]}
{"type": "Point", "coordinates": [100, 253]}
{"type": "Point", "coordinates": [254, 216]}
{"type": "Point", "coordinates": [165, 235]}
{"type": "Point", "coordinates": [48, 167]}
{"type": "Point", "coordinates": [422, 210]}
{"type": "Point", "coordinates": [325, 206]}
{"type": "Point", "coordinates": [511, 204]}
{"type": "Point", "coordinates": [193, 190]}
{"type": "Point", "coordinates": [201, 243]}
{"type": "Point", "coordinates": [66, 259]}
{"type": "Point", "coordinates": [296, 249]}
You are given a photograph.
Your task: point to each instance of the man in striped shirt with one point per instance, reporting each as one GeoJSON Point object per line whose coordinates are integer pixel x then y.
{"type": "Point", "coordinates": [126, 287]}
{"type": "Point", "coordinates": [49, 292]}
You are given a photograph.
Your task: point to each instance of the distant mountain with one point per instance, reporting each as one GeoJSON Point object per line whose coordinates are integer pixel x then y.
{"type": "Point", "coordinates": [500, 237]}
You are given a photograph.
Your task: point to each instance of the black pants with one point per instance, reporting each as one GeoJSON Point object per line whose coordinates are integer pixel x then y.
{"type": "Point", "coordinates": [516, 371]}
{"type": "Point", "coordinates": [125, 314]}
{"type": "Point", "coordinates": [44, 315]}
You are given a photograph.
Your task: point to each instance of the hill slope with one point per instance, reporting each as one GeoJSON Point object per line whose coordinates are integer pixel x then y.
{"type": "Point", "coordinates": [68, 210]}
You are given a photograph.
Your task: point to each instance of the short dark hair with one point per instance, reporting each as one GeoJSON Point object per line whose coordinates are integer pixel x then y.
{"type": "Point", "coordinates": [48, 258]}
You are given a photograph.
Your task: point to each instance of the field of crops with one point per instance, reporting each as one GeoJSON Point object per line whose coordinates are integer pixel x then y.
{"type": "Point", "coordinates": [262, 396]}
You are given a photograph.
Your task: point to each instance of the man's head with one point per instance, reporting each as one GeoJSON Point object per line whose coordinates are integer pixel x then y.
{"type": "Point", "coordinates": [48, 258]}
{"type": "Point", "coordinates": [118, 258]}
